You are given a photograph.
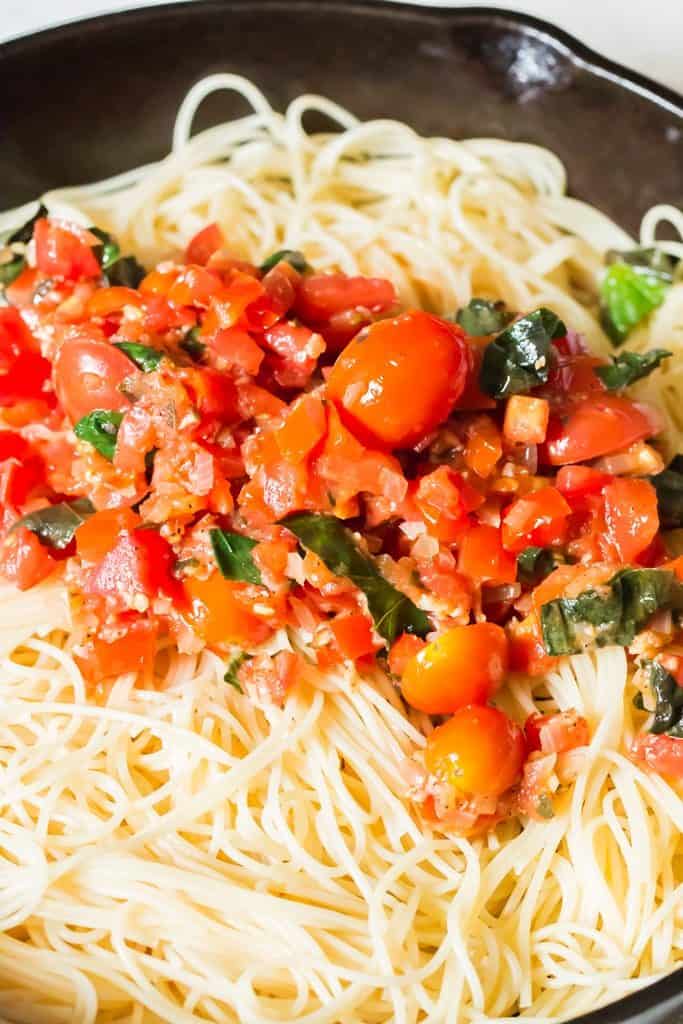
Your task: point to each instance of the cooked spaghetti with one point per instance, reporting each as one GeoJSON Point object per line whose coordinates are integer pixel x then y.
{"type": "Point", "coordinates": [295, 846]}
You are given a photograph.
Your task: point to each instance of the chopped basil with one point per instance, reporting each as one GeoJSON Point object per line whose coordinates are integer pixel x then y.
{"type": "Point", "coordinates": [118, 270]}
{"type": "Point", "coordinates": [233, 668]}
{"type": "Point", "coordinates": [392, 611]}
{"type": "Point", "coordinates": [628, 367]}
{"type": "Point", "coordinates": [668, 696]}
{"type": "Point", "coordinates": [12, 267]}
{"type": "Point", "coordinates": [481, 316]}
{"type": "Point", "coordinates": [108, 251]}
{"type": "Point", "coordinates": [669, 487]}
{"type": "Point", "coordinates": [55, 525]}
{"type": "Point", "coordinates": [519, 358]}
{"type": "Point", "coordinates": [144, 357]}
{"type": "Point", "coordinates": [192, 345]}
{"type": "Point", "coordinates": [99, 428]}
{"type": "Point", "coordinates": [611, 614]}
{"type": "Point", "coordinates": [634, 284]}
{"type": "Point", "coordinates": [24, 234]}
{"type": "Point", "coordinates": [534, 564]}
{"type": "Point", "coordinates": [295, 259]}
{"type": "Point", "coordinates": [233, 554]}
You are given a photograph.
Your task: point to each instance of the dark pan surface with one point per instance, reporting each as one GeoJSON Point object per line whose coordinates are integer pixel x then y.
{"type": "Point", "coordinates": [96, 97]}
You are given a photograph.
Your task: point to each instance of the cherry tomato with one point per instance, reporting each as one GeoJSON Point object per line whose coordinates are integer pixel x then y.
{"type": "Point", "coordinates": [88, 374]}
{"type": "Point", "coordinates": [399, 379]}
{"type": "Point", "coordinates": [464, 665]}
{"type": "Point", "coordinates": [539, 518]}
{"type": "Point", "coordinates": [204, 244]}
{"type": "Point", "coordinates": [23, 559]}
{"type": "Point", "coordinates": [631, 515]}
{"type": "Point", "coordinates": [594, 427]}
{"type": "Point", "coordinates": [220, 612]}
{"type": "Point", "coordinates": [322, 296]}
{"type": "Point", "coordinates": [65, 251]}
{"type": "Point", "coordinates": [478, 751]}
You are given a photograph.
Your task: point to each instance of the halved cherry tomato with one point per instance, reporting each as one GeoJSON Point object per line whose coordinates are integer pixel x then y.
{"type": "Point", "coordinates": [483, 558]}
{"type": "Point", "coordinates": [478, 751]}
{"type": "Point", "coordinates": [631, 516]}
{"type": "Point", "coordinates": [133, 652]}
{"type": "Point", "coordinates": [538, 518]}
{"type": "Point", "coordinates": [204, 244]}
{"type": "Point", "coordinates": [99, 534]}
{"type": "Point", "coordinates": [88, 373]}
{"type": "Point", "coordinates": [353, 635]}
{"type": "Point", "coordinates": [24, 561]}
{"type": "Point", "coordinates": [594, 427]}
{"type": "Point", "coordinates": [463, 665]}
{"type": "Point", "coordinates": [220, 612]}
{"type": "Point", "coordinates": [398, 379]}
{"type": "Point", "coordinates": [321, 296]}
{"type": "Point", "coordinates": [65, 250]}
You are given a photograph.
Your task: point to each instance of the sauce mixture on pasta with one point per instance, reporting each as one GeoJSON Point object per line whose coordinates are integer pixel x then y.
{"type": "Point", "coordinates": [343, 578]}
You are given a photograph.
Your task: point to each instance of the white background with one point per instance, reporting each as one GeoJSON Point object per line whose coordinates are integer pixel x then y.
{"type": "Point", "coordinates": [643, 34]}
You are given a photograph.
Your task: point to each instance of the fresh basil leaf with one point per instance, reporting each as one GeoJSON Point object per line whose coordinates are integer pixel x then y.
{"type": "Point", "coordinates": [24, 234]}
{"type": "Point", "coordinates": [627, 295]}
{"type": "Point", "coordinates": [108, 251]}
{"type": "Point", "coordinates": [12, 267]}
{"type": "Point", "coordinates": [481, 316]}
{"type": "Point", "coordinates": [392, 611]}
{"type": "Point", "coordinates": [192, 345]}
{"type": "Point", "coordinates": [10, 270]}
{"type": "Point", "coordinates": [295, 259]}
{"type": "Point", "coordinates": [534, 564]}
{"type": "Point", "coordinates": [233, 554]}
{"type": "Point", "coordinates": [652, 261]}
{"type": "Point", "coordinates": [669, 487]}
{"type": "Point", "coordinates": [611, 614]}
{"type": "Point", "coordinates": [55, 525]}
{"type": "Point", "coordinates": [126, 272]}
{"type": "Point", "coordinates": [233, 668]}
{"type": "Point", "coordinates": [668, 695]}
{"type": "Point", "coordinates": [628, 367]}
{"type": "Point", "coordinates": [144, 357]}
{"type": "Point", "coordinates": [99, 428]}
{"type": "Point", "coordinates": [519, 358]}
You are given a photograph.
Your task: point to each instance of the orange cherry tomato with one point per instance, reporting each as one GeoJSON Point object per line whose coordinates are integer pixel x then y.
{"type": "Point", "coordinates": [88, 373]}
{"type": "Point", "coordinates": [220, 612]}
{"type": "Point", "coordinates": [596, 426]}
{"type": "Point", "coordinates": [478, 751]}
{"type": "Point", "coordinates": [99, 534]}
{"type": "Point", "coordinates": [482, 557]}
{"type": "Point", "coordinates": [464, 665]}
{"type": "Point", "coordinates": [539, 518]}
{"type": "Point", "coordinates": [631, 515]}
{"type": "Point", "coordinates": [399, 379]}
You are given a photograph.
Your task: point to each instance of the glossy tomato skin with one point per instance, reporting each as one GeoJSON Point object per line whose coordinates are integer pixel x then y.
{"type": "Point", "coordinates": [478, 751]}
{"type": "Point", "coordinates": [64, 251]}
{"type": "Point", "coordinates": [88, 373]}
{"type": "Point", "coordinates": [323, 296]}
{"type": "Point", "coordinates": [538, 518]}
{"type": "Point", "coordinates": [463, 665]}
{"type": "Point", "coordinates": [594, 427]}
{"type": "Point", "coordinates": [399, 379]}
{"type": "Point", "coordinates": [631, 516]}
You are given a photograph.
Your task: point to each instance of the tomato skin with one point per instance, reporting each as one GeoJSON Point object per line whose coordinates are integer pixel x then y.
{"type": "Point", "coordinates": [538, 518]}
{"type": "Point", "coordinates": [220, 616]}
{"type": "Point", "coordinates": [105, 301]}
{"type": "Point", "coordinates": [576, 483]}
{"type": "Point", "coordinates": [24, 561]}
{"type": "Point", "coordinates": [483, 558]}
{"type": "Point", "coordinates": [204, 244]}
{"type": "Point", "coordinates": [303, 430]}
{"type": "Point", "coordinates": [463, 665]}
{"type": "Point", "coordinates": [63, 251]}
{"type": "Point", "coordinates": [99, 534]}
{"type": "Point", "coordinates": [596, 426]}
{"type": "Point", "coordinates": [194, 286]}
{"type": "Point", "coordinates": [322, 296]}
{"type": "Point", "coordinates": [631, 515]}
{"type": "Point", "coordinates": [23, 371]}
{"type": "Point", "coordinates": [373, 382]}
{"type": "Point", "coordinates": [88, 373]}
{"type": "Point", "coordinates": [478, 751]}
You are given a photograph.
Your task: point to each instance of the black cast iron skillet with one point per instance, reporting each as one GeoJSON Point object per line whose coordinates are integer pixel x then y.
{"type": "Point", "coordinates": [91, 98]}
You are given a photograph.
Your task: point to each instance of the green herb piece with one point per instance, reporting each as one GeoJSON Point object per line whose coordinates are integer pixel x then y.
{"type": "Point", "coordinates": [295, 259]}
{"type": "Point", "coordinates": [534, 564]}
{"type": "Point", "coordinates": [668, 695]}
{"type": "Point", "coordinates": [144, 357]}
{"type": "Point", "coordinates": [611, 614]}
{"type": "Point", "coordinates": [192, 345]}
{"type": "Point", "coordinates": [10, 270]}
{"type": "Point", "coordinates": [24, 234]}
{"type": "Point", "coordinates": [234, 667]}
{"type": "Point", "coordinates": [669, 487]}
{"type": "Point", "coordinates": [481, 316]}
{"type": "Point", "coordinates": [544, 806]}
{"type": "Point", "coordinates": [652, 261]}
{"type": "Point", "coordinates": [108, 251]}
{"type": "Point", "coordinates": [233, 554]}
{"type": "Point", "coordinates": [182, 565]}
{"type": "Point", "coordinates": [519, 358]}
{"type": "Point", "coordinates": [392, 611]}
{"type": "Point", "coordinates": [628, 294]}
{"type": "Point", "coordinates": [55, 525]}
{"type": "Point", "coordinates": [126, 272]}
{"type": "Point", "coordinates": [99, 428]}
{"type": "Point", "coordinates": [628, 367]}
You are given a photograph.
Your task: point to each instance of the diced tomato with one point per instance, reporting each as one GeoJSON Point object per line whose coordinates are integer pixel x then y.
{"type": "Point", "coordinates": [105, 301]}
{"type": "Point", "coordinates": [596, 426]}
{"type": "Point", "coordinates": [527, 653]}
{"type": "Point", "coordinates": [24, 561]}
{"type": "Point", "coordinates": [230, 303]}
{"type": "Point", "coordinates": [256, 402]}
{"type": "Point", "coordinates": [321, 296]}
{"type": "Point", "coordinates": [538, 518]}
{"type": "Point", "coordinates": [21, 291]}
{"type": "Point", "coordinates": [234, 348]}
{"type": "Point", "coordinates": [664, 754]}
{"type": "Point", "coordinates": [267, 679]}
{"type": "Point", "coordinates": [220, 611]}
{"type": "Point", "coordinates": [100, 532]}
{"type": "Point", "coordinates": [526, 420]}
{"type": "Point", "coordinates": [24, 373]}
{"type": "Point", "coordinates": [138, 566]}
{"type": "Point", "coordinates": [159, 282]}
{"type": "Point", "coordinates": [482, 556]}
{"type": "Point", "coordinates": [88, 373]}
{"type": "Point", "coordinates": [402, 650]}
{"type": "Point", "coordinates": [353, 635]}
{"type": "Point", "coordinates": [65, 251]}
{"type": "Point", "coordinates": [484, 446]}
{"type": "Point", "coordinates": [444, 499]}
{"type": "Point", "coordinates": [21, 469]}
{"type": "Point", "coordinates": [556, 733]}
{"type": "Point", "coordinates": [133, 652]}
{"type": "Point", "coordinates": [578, 482]}
{"type": "Point", "coordinates": [631, 516]}
{"type": "Point", "coordinates": [303, 430]}
{"type": "Point", "coordinates": [204, 244]}
{"type": "Point", "coordinates": [216, 396]}
{"type": "Point", "coordinates": [280, 286]}
{"type": "Point", "coordinates": [297, 348]}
